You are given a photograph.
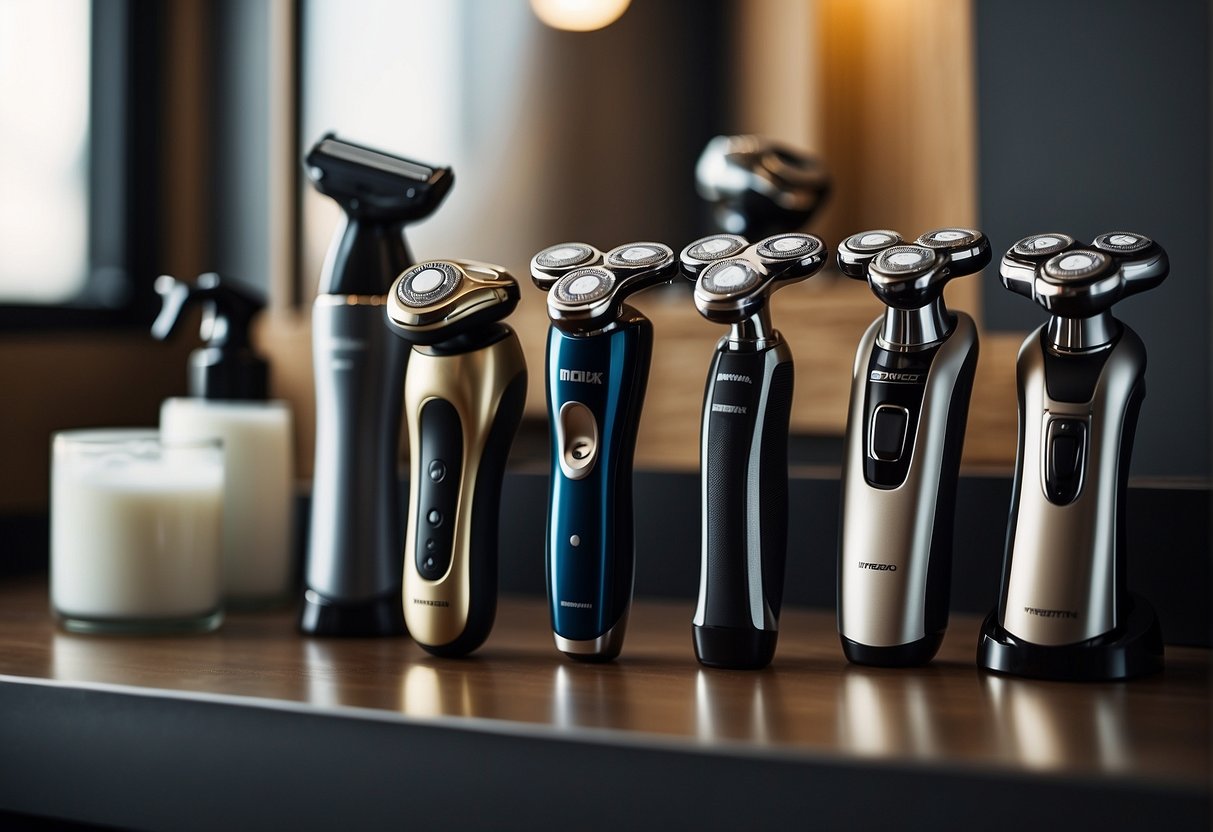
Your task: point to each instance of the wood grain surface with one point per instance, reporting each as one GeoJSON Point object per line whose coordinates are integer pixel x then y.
{"type": "Point", "coordinates": [810, 700]}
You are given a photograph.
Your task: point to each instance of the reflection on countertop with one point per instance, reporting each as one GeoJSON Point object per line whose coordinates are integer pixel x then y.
{"type": "Point", "coordinates": [809, 700]}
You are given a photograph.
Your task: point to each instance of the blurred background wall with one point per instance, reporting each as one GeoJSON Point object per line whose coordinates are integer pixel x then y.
{"type": "Point", "coordinates": [1011, 117]}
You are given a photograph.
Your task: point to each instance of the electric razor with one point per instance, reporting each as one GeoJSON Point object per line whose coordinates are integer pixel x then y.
{"type": "Point", "coordinates": [743, 456]}
{"type": "Point", "coordinates": [759, 187]}
{"type": "Point", "coordinates": [598, 356]}
{"type": "Point", "coordinates": [463, 400]}
{"type": "Point", "coordinates": [910, 390]}
{"type": "Point", "coordinates": [354, 549]}
{"type": "Point", "coordinates": [1064, 610]}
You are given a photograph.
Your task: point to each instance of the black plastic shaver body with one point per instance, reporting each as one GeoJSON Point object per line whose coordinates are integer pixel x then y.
{"type": "Point", "coordinates": [743, 466]}
{"type": "Point", "coordinates": [352, 572]}
{"type": "Point", "coordinates": [744, 482]}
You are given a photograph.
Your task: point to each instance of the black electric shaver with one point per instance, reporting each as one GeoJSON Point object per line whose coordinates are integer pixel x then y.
{"type": "Point", "coordinates": [759, 187]}
{"type": "Point", "coordinates": [597, 368]}
{"type": "Point", "coordinates": [463, 400]}
{"type": "Point", "coordinates": [353, 556]}
{"type": "Point", "coordinates": [743, 455]}
{"type": "Point", "coordinates": [910, 394]}
{"type": "Point", "coordinates": [1064, 609]}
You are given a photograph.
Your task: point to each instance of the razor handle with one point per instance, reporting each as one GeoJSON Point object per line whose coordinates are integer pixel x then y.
{"type": "Point", "coordinates": [905, 434]}
{"type": "Point", "coordinates": [744, 484]}
{"type": "Point", "coordinates": [595, 393]}
{"type": "Point", "coordinates": [1064, 569]}
{"type": "Point", "coordinates": [353, 563]}
{"type": "Point", "coordinates": [463, 408]}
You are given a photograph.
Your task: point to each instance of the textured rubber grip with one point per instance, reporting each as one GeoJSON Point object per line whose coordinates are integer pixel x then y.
{"type": "Point", "coordinates": [747, 405]}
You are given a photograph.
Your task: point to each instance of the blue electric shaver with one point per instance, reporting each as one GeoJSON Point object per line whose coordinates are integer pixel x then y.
{"type": "Point", "coordinates": [597, 368]}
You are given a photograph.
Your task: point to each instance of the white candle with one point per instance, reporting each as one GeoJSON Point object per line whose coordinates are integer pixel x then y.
{"type": "Point", "coordinates": [135, 530]}
{"type": "Point", "coordinates": [258, 453]}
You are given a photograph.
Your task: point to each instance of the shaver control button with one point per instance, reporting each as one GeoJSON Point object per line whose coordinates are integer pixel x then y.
{"type": "Point", "coordinates": [887, 436]}
{"type": "Point", "coordinates": [437, 470]}
{"type": "Point", "coordinates": [434, 517]}
{"type": "Point", "coordinates": [1065, 452]}
{"type": "Point", "coordinates": [576, 439]}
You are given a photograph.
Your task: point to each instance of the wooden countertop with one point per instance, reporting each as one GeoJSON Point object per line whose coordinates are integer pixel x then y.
{"type": "Point", "coordinates": [810, 701]}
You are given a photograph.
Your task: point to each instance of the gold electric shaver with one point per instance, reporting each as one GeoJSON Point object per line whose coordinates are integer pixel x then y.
{"type": "Point", "coordinates": [463, 399]}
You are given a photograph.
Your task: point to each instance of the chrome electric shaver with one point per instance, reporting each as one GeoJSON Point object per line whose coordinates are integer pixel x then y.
{"type": "Point", "coordinates": [1064, 610]}
{"type": "Point", "coordinates": [759, 187]}
{"type": "Point", "coordinates": [463, 400]}
{"type": "Point", "coordinates": [353, 556]}
{"type": "Point", "coordinates": [743, 443]}
{"type": "Point", "coordinates": [597, 367]}
{"type": "Point", "coordinates": [905, 431]}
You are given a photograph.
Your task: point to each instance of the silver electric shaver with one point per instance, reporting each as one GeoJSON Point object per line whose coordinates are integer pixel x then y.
{"type": "Point", "coordinates": [743, 454]}
{"type": "Point", "coordinates": [1064, 609]}
{"type": "Point", "coordinates": [759, 187]}
{"type": "Point", "coordinates": [910, 392]}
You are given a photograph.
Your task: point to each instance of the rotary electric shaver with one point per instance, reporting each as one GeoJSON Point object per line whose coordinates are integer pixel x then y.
{"type": "Point", "coordinates": [905, 431]}
{"type": "Point", "coordinates": [1064, 610]}
{"type": "Point", "coordinates": [758, 187]}
{"type": "Point", "coordinates": [597, 368]}
{"type": "Point", "coordinates": [463, 400]}
{"type": "Point", "coordinates": [353, 555]}
{"type": "Point", "coordinates": [743, 447]}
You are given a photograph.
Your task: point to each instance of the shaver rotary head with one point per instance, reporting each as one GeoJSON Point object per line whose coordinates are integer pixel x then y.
{"type": "Point", "coordinates": [586, 288]}
{"type": "Point", "coordinates": [758, 186]}
{"type": "Point", "coordinates": [912, 275]}
{"type": "Point", "coordinates": [442, 299]}
{"type": "Point", "coordinates": [1073, 280]}
{"type": "Point", "coordinates": [733, 277]}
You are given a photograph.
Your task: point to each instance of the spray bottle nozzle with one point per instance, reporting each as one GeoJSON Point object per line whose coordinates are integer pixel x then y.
{"type": "Point", "coordinates": [226, 367]}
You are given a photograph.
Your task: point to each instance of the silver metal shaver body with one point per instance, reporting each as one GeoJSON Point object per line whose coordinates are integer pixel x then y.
{"type": "Point", "coordinates": [910, 392]}
{"type": "Point", "coordinates": [1064, 609]}
{"type": "Point", "coordinates": [1064, 570]}
{"type": "Point", "coordinates": [895, 557]}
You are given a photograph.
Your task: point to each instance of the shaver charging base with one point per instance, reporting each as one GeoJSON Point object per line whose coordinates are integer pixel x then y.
{"type": "Point", "coordinates": [1136, 650]}
{"type": "Point", "coordinates": [382, 616]}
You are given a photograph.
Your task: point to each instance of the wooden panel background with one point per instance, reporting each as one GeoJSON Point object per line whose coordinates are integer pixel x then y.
{"type": "Point", "coordinates": [884, 92]}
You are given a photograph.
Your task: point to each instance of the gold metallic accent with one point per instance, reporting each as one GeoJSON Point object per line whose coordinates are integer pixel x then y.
{"type": "Point", "coordinates": [473, 384]}
{"type": "Point", "coordinates": [481, 285]}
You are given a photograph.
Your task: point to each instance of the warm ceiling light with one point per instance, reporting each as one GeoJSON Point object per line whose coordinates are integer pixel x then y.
{"type": "Point", "coordinates": [579, 15]}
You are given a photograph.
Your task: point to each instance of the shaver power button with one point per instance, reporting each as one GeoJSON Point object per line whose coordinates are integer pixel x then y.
{"type": "Point", "coordinates": [437, 470]}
